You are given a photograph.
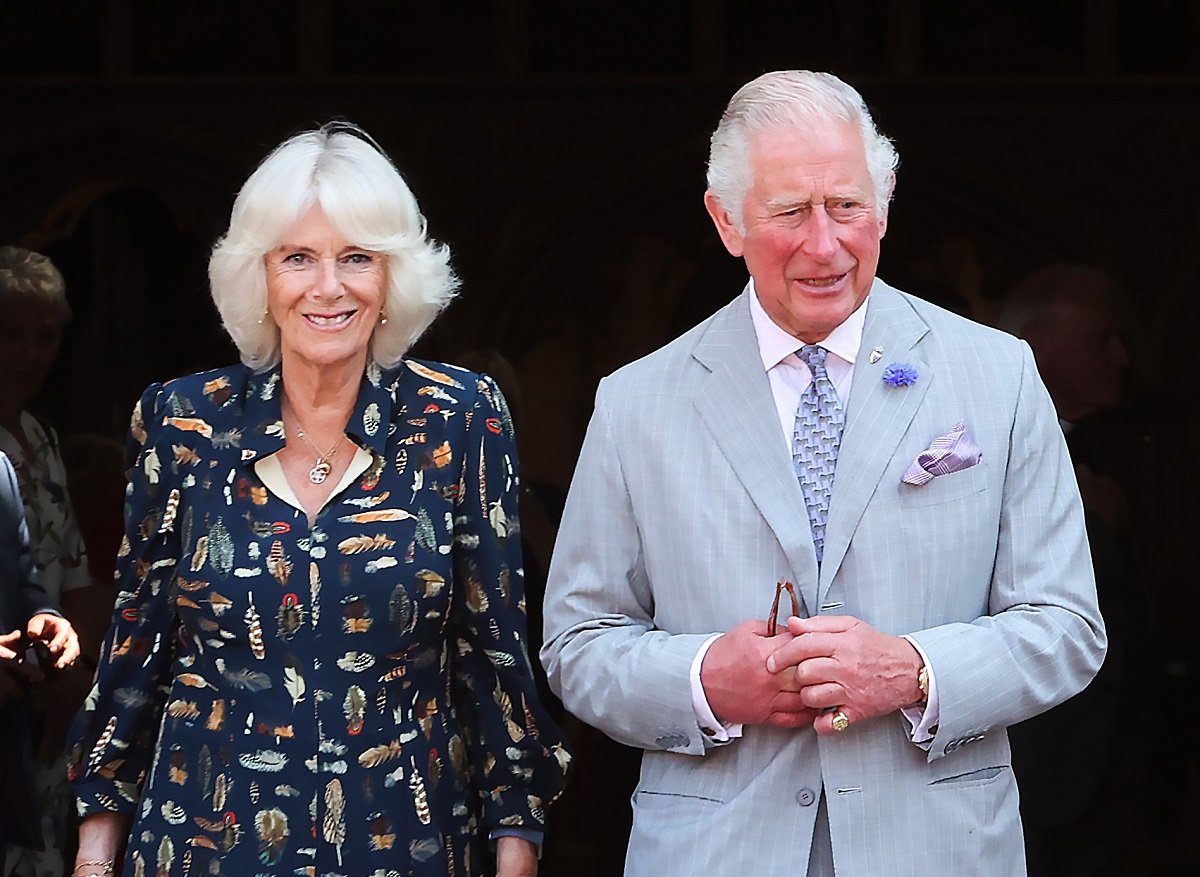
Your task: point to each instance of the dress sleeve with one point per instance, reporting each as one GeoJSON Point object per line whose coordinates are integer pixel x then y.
{"type": "Point", "coordinates": [113, 740]}
{"type": "Point", "coordinates": [517, 756]}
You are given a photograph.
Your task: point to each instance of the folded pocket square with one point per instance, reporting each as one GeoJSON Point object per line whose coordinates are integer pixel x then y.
{"type": "Point", "coordinates": [952, 452]}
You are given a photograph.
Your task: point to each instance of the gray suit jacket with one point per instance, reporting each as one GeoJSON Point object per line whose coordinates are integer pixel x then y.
{"type": "Point", "coordinates": [685, 510]}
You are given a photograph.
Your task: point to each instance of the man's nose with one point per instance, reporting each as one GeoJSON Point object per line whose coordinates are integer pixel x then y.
{"type": "Point", "coordinates": [820, 235]}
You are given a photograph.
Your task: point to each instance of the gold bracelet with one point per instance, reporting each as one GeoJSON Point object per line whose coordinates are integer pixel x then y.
{"type": "Point", "coordinates": [94, 863]}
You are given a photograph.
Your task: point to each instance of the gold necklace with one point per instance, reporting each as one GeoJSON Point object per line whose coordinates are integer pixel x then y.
{"type": "Point", "coordinates": [321, 469]}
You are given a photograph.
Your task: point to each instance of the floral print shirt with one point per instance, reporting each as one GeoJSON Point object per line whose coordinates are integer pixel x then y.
{"type": "Point", "coordinates": [350, 698]}
{"type": "Point", "coordinates": [58, 551]}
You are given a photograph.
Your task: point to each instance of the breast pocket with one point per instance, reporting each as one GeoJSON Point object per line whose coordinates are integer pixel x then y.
{"type": "Point", "coordinates": [948, 488]}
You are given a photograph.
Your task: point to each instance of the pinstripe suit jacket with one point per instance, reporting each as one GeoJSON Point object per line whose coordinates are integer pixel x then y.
{"type": "Point", "coordinates": [685, 510]}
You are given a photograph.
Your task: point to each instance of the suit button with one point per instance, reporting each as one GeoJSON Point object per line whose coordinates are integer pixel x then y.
{"type": "Point", "coordinates": [672, 741]}
{"type": "Point", "coordinates": [805, 797]}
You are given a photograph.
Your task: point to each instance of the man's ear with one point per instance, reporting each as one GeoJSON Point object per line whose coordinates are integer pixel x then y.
{"type": "Point", "coordinates": [726, 227]}
{"type": "Point", "coordinates": [883, 219]}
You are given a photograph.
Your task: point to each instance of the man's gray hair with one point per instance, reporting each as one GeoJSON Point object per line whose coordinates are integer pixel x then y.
{"type": "Point", "coordinates": [798, 98]}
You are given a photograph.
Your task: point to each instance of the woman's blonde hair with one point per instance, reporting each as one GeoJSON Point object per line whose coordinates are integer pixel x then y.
{"type": "Point", "coordinates": [339, 167]}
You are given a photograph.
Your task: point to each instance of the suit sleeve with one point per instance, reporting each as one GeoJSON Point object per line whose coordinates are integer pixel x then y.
{"type": "Point", "coordinates": [33, 599]}
{"type": "Point", "coordinates": [516, 754]}
{"type": "Point", "coordinates": [599, 614]}
{"type": "Point", "coordinates": [113, 741]}
{"type": "Point", "coordinates": [1043, 639]}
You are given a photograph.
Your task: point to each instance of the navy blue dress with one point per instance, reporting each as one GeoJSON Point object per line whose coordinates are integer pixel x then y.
{"type": "Point", "coordinates": [352, 698]}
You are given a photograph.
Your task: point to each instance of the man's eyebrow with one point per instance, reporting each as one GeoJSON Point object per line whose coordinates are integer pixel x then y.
{"type": "Point", "coordinates": [792, 203]}
{"type": "Point", "coordinates": [788, 203]}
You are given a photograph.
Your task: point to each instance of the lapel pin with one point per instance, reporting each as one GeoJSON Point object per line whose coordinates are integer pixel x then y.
{"type": "Point", "coordinates": [876, 355]}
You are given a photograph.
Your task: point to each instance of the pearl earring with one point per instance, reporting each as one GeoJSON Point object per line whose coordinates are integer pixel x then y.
{"type": "Point", "coordinates": [382, 318]}
{"type": "Point", "coordinates": [263, 318]}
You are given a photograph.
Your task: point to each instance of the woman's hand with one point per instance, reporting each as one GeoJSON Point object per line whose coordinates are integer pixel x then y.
{"type": "Point", "coordinates": [515, 857]}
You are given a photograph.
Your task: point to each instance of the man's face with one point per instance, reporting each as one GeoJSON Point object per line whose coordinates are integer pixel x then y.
{"type": "Point", "coordinates": [812, 231]}
{"type": "Point", "coordinates": [1080, 353]}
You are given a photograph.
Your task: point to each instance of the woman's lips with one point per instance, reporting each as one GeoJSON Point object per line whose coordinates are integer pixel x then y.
{"type": "Point", "coordinates": [329, 321]}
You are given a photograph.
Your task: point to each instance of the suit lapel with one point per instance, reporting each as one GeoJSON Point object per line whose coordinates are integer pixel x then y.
{"type": "Point", "coordinates": [736, 406]}
{"type": "Point", "coordinates": [877, 416]}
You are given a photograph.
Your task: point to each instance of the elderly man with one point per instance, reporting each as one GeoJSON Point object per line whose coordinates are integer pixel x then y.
{"type": "Point", "coordinates": [897, 468]}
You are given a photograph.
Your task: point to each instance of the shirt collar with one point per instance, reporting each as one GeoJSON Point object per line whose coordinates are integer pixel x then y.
{"type": "Point", "coordinates": [368, 425]}
{"type": "Point", "coordinates": [372, 417]}
{"type": "Point", "coordinates": [775, 344]}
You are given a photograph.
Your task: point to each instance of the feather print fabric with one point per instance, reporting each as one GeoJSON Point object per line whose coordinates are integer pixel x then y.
{"type": "Point", "coordinates": [352, 698]}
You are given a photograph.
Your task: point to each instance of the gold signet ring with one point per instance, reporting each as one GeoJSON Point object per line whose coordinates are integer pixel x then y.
{"type": "Point", "coordinates": [840, 722]}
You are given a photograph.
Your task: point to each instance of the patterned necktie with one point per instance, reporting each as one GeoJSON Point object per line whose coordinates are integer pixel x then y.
{"type": "Point", "coordinates": [815, 440]}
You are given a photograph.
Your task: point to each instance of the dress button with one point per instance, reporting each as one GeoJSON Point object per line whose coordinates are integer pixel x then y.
{"type": "Point", "coordinates": [805, 797]}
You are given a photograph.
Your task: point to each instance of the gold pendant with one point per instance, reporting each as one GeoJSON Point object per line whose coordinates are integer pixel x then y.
{"type": "Point", "coordinates": [318, 473]}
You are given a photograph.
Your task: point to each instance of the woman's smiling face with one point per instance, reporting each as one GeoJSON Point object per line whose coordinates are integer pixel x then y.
{"type": "Point", "coordinates": [324, 293]}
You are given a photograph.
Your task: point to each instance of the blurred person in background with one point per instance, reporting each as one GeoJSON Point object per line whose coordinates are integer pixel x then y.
{"type": "Point", "coordinates": [1080, 804]}
{"type": "Point", "coordinates": [35, 641]}
{"type": "Point", "coordinates": [33, 311]}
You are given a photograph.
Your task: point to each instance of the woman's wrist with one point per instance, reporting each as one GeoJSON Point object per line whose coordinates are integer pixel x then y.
{"type": "Point", "coordinates": [93, 868]}
{"type": "Point", "coordinates": [101, 841]}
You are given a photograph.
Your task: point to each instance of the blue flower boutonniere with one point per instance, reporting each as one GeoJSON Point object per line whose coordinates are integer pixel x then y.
{"type": "Point", "coordinates": [899, 374]}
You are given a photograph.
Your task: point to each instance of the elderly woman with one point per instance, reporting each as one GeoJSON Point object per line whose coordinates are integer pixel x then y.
{"type": "Point", "coordinates": [33, 311]}
{"type": "Point", "coordinates": [317, 663]}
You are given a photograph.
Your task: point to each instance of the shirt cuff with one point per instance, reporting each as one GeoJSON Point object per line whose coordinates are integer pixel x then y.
{"type": "Point", "coordinates": [712, 728]}
{"type": "Point", "coordinates": [924, 721]}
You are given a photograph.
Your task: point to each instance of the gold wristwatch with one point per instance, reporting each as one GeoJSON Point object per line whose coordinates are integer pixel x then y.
{"type": "Point", "coordinates": [923, 683]}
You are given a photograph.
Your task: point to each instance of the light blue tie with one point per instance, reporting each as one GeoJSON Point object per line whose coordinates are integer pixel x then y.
{"type": "Point", "coordinates": [815, 440]}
